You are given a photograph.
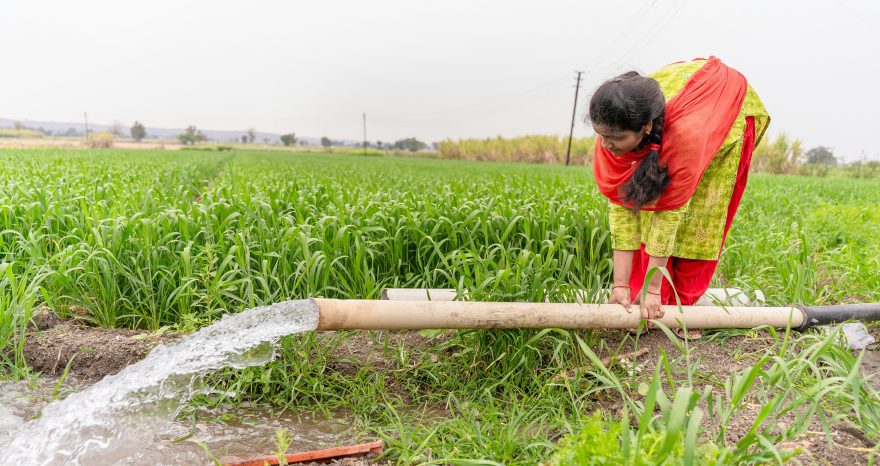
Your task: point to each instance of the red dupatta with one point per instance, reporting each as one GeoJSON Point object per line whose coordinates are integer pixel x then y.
{"type": "Point", "coordinates": [697, 122]}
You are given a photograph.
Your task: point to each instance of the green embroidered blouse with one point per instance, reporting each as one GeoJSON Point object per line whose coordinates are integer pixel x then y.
{"type": "Point", "coordinates": [696, 230]}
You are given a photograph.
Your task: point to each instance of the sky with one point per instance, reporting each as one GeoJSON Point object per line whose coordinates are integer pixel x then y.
{"type": "Point", "coordinates": [431, 70]}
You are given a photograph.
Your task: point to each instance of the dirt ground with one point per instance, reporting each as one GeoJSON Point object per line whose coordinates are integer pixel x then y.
{"type": "Point", "coordinates": [94, 353]}
{"type": "Point", "coordinates": [91, 352]}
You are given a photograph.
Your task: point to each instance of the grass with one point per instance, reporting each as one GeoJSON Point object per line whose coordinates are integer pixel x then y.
{"type": "Point", "coordinates": [153, 239]}
{"type": "Point", "coordinates": [22, 133]}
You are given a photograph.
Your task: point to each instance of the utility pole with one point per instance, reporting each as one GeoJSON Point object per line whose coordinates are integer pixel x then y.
{"type": "Point", "coordinates": [577, 87]}
{"type": "Point", "coordinates": [365, 133]}
{"type": "Point", "coordinates": [86, 117]}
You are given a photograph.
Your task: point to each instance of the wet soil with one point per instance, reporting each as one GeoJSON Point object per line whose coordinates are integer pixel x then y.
{"type": "Point", "coordinates": [245, 432]}
{"type": "Point", "coordinates": [227, 433]}
{"type": "Point", "coordinates": [871, 368]}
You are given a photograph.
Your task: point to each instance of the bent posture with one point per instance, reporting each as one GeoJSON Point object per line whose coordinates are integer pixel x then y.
{"type": "Point", "coordinates": [672, 156]}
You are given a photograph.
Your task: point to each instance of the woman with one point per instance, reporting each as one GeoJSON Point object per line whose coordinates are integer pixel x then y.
{"type": "Point", "coordinates": [672, 156]}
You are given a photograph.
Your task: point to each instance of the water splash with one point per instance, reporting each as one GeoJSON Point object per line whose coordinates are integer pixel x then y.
{"type": "Point", "coordinates": [113, 419]}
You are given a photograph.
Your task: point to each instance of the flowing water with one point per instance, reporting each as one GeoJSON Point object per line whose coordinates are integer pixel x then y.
{"type": "Point", "coordinates": [113, 420]}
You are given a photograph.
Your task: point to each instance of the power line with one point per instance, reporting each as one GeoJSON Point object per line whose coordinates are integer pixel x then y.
{"type": "Point", "coordinates": [625, 32]}
{"type": "Point", "coordinates": [475, 113]}
{"type": "Point", "coordinates": [540, 90]}
{"type": "Point", "coordinates": [663, 21]}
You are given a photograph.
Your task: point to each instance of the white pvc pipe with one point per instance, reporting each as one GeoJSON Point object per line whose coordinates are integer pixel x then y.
{"type": "Point", "coordinates": [713, 296]}
{"type": "Point", "coordinates": [395, 315]}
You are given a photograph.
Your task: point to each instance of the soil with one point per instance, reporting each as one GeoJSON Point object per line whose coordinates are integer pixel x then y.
{"type": "Point", "coordinates": [352, 461]}
{"type": "Point", "coordinates": [366, 349]}
{"type": "Point", "coordinates": [91, 352]}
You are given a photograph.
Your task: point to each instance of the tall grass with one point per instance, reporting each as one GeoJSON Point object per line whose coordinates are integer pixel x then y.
{"type": "Point", "coordinates": [19, 293]}
{"type": "Point", "coordinates": [533, 149]}
{"type": "Point", "coordinates": [144, 241]}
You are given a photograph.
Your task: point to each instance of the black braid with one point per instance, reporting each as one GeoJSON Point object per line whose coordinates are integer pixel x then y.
{"type": "Point", "coordinates": [650, 179]}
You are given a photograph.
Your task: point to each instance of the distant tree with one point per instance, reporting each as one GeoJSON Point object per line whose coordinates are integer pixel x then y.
{"type": "Point", "coordinates": [288, 139]}
{"type": "Point", "coordinates": [266, 140]}
{"type": "Point", "coordinates": [410, 144]}
{"type": "Point", "coordinates": [379, 144]}
{"type": "Point", "coordinates": [116, 129]}
{"type": "Point", "coordinates": [326, 142]}
{"type": "Point", "coordinates": [251, 135]}
{"type": "Point", "coordinates": [192, 135]}
{"type": "Point", "coordinates": [138, 132]}
{"type": "Point", "coordinates": [18, 127]}
{"type": "Point", "coordinates": [820, 155]}
{"type": "Point", "coordinates": [244, 138]}
{"type": "Point", "coordinates": [71, 133]}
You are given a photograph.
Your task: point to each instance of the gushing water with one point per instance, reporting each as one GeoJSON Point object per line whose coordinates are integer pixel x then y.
{"type": "Point", "coordinates": [111, 421]}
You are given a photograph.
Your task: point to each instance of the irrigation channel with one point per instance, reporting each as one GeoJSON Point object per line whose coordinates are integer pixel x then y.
{"type": "Point", "coordinates": [113, 421]}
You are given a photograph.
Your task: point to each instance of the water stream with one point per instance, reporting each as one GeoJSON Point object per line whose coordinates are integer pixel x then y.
{"type": "Point", "coordinates": [113, 420]}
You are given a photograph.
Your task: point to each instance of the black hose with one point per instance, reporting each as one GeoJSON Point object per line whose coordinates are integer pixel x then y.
{"type": "Point", "coordinates": [823, 315]}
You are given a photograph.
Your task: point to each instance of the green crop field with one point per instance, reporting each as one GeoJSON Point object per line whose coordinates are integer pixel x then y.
{"type": "Point", "coordinates": [173, 240]}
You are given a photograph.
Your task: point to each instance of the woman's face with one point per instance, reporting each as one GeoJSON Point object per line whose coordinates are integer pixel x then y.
{"type": "Point", "coordinates": [620, 141]}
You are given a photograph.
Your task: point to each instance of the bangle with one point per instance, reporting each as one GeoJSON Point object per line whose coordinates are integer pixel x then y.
{"type": "Point", "coordinates": [655, 294]}
{"type": "Point", "coordinates": [620, 286]}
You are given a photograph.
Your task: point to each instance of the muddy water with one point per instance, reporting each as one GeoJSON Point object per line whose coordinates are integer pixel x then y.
{"type": "Point", "coordinates": [115, 420]}
{"type": "Point", "coordinates": [251, 434]}
{"type": "Point", "coordinates": [20, 401]}
{"type": "Point", "coordinates": [227, 434]}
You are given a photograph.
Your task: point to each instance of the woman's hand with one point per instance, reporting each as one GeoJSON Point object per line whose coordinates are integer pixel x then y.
{"type": "Point", "coordinates": [620, 295]}
{"type": "Point", "coordinates": [651, 307]}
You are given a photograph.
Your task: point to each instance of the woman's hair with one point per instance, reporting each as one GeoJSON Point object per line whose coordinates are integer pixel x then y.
{"type": "Point", "coordinates": [629, 102]}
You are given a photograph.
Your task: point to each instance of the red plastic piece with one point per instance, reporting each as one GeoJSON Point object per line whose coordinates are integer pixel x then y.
{"type": "Point", "coordinates": [325, 455]}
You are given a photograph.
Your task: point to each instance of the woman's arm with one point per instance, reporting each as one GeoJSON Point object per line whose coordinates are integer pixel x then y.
{"type": "Point", "coordinates": [652, 306]}
{"type": "Point", "coordinates": [620, 293]}
{"type": "Point", "coordinates": [625, 242]}
{"type": "Point", "coordinates": [622, 266]}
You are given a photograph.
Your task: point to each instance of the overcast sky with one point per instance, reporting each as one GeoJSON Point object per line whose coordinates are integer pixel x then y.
{"type": "Point", "coordinates": [432, 70]}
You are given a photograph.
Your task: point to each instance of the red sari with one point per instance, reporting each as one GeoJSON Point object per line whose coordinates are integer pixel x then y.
{"type": "Point", "coordinates": [698, 120]}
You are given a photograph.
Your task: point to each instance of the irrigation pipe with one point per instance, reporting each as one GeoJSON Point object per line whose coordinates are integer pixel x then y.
{"type": "Point", "coordinates": [349, 314]}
